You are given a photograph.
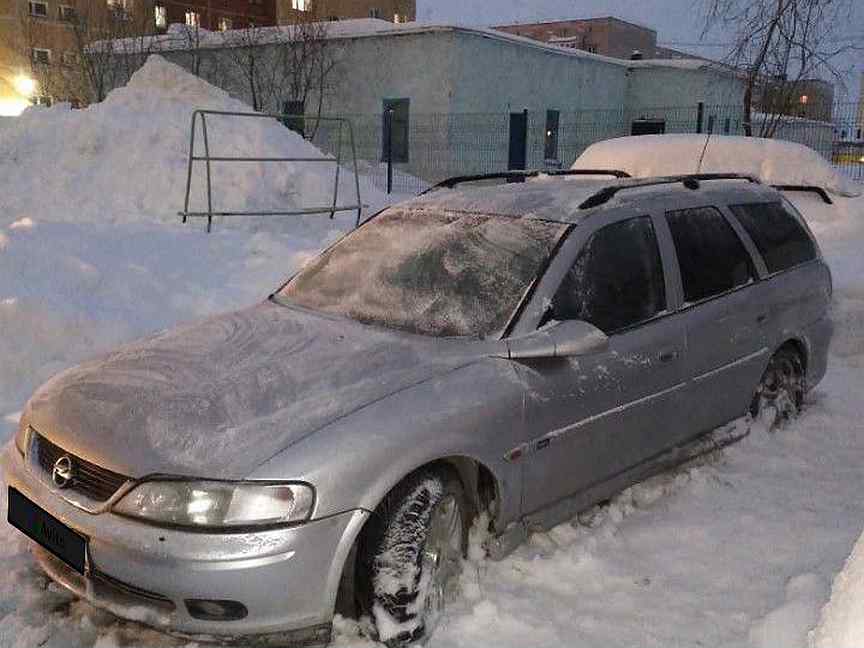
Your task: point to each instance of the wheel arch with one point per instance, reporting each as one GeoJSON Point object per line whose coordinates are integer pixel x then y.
{"type": "Point", "coordinates": [799, 345]}
{"type": "Point", "coordinates": [482, 489]}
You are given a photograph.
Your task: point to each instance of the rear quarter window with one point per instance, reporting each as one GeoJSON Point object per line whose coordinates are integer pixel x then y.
{"type": "Point", "coordinates": [780, 238]}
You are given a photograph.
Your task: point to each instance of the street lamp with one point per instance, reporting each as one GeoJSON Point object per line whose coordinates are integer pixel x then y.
{"type": "Point", "coordinates": [24, 85]}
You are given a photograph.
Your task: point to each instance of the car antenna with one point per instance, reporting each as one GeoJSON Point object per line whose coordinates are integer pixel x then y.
{"type": "Point", "coordinates": [705, 148]}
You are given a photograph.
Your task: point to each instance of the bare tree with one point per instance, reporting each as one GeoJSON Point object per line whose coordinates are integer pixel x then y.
{"type": "Point", "coordinates": [112, 40]}
{"type": "Point", "coordinates": [94, 46]}
{"type": "Point", "coordinates": [777, 44]}
{"type": "Point", "coordinates": [284, 67]}
{"type": "Point", "coordinates": [88, 47]}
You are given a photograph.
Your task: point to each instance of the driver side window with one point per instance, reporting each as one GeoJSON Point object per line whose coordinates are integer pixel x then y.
{"type": "Point", "coordinates": [617, 279]}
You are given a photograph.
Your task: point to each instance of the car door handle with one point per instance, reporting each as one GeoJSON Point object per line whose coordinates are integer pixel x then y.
{"type": "Point", "coordinates": [668, 356]}
{"type": "Point", "coordinates": [762, 318]}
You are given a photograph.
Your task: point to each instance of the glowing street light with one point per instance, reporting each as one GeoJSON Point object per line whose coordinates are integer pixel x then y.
{"type": "Point", "coordinates": [24, 85]}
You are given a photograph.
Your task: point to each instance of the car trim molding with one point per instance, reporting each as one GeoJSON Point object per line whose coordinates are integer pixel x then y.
{"type": "Point", "coordinates": [731, 365]}
{"type": "Point", "coordinates": [555, 436]}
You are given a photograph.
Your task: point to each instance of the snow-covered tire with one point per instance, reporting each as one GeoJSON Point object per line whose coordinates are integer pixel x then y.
{"type": "Point", "coordinates": [780, 394]}
{"type": "Point", "coordinates": [411, 555]}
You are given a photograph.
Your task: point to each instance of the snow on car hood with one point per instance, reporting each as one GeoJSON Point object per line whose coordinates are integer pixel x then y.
{"type": "Point", "coordinates": [218, 398]}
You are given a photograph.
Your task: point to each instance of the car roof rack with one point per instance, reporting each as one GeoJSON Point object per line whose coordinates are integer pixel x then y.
{"type": "Point", "coordinates": [691, 181]}
{"type": "Point", "coordinates": [819, 191]}
{"type": "Point", "coordinates": [521, 176]}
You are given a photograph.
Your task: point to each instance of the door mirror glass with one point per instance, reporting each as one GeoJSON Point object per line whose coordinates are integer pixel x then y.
{"type": "Point", "coordinates": [558, 340]}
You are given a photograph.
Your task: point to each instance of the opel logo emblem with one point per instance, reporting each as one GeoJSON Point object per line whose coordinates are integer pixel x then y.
{"type": "Point", "coordinates": [63, 472]}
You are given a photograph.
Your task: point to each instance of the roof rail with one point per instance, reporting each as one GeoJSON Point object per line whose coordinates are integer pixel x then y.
{"type": "Point", "coordinates": [691, 181]}
{"type": "Point", "coordinates": [522, 176]}
{"type": "Point", "coordinates": [819, 191]}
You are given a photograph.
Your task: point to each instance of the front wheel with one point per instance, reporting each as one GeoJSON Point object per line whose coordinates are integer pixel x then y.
{"type": "Point", "coordinates": [411, 556]}
{"type": "Point", "coordinates": [780, 394]}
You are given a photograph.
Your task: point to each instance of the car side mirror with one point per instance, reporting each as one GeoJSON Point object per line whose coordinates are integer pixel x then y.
{"type": "Point", "coordinates": [558, 340]}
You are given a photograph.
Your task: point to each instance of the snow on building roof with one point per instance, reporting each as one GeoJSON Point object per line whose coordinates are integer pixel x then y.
{"type": "Point", "coordinates": [179, 37]}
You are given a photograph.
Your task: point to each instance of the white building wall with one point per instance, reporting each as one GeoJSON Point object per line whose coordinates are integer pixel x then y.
{"type": "Point", "coordinates": [652, 87]}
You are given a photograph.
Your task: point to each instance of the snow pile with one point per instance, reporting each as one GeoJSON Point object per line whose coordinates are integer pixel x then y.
{"type": "Point", "coordinates": [772, 161]}
{"type": "Point", "coordinates": [125, 159]}
{"type": "Point", "coordinates": [842, 623]}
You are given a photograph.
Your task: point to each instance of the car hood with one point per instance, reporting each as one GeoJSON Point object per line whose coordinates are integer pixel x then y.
{"type": "Point", "coordinates": [218, 398]}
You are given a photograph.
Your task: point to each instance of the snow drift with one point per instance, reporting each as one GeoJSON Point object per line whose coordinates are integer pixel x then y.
{"type": "Point", "coordinates": [772, 161]}
{"type": "Point", "coordinates": [842, 623]}
{"type": "Point", "coordinates": [125, 159]}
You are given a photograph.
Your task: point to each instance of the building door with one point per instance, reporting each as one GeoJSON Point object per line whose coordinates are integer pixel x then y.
{"type": "Point", "coordinates": [648, 127]}
{"type": "Point", "coordinates": [294, 111]}
{"type": "Point", "coordinates": [553, 119]}
{"type": "Point", "coordinates": [395, 130]}
{"type": "Point", "coordinates": [518, 157]}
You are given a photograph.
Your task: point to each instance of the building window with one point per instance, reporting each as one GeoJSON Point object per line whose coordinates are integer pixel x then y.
{"type": "Point", "coordinates": [374, 12]}
{"type": "Point", "coordinates": [805, 99]}
{"type": "Point", "coordinates": [42, 56]}
{"type": "Point", "coordinates": [67, 13]}
{"type": "Point", "coordinates": [192, 18]}
{"type": "Point", "coordinates": [225, 24]}
{"type": "Point", "coordinates": [161, 16]}
{"type": "Point", "coordinates": [69, 58]}
{"type": "Point", "coordinates": [43, 100]}
{"type": "Point", "coordinates": [300, 5]}
{"type": "Point", "coordinates": [39, 9]}
{"type": "Point", "coordinates": [120, 8]}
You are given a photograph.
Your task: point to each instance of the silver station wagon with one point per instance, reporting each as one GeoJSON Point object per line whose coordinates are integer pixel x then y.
{"type": "Point", "coordinates": [524, 350]}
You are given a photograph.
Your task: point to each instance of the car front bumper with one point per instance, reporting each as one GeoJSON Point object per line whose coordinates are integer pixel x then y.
{"type": "Point", "coordinates": [286, 578]}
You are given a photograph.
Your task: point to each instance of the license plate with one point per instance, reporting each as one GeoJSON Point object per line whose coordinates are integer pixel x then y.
{"type": "Point", "coordinates": [48, 531]}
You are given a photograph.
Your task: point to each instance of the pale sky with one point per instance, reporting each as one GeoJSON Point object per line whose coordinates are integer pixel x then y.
{"type": "Point", "coordinates": [678, 22]}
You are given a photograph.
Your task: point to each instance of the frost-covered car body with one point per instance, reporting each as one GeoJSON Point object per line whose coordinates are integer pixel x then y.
{"type": "Point", "coordinates": [542, 414]}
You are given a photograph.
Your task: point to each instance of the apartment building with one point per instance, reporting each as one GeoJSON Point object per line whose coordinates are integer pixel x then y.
{"type": "Point", "coordinates": [860, 121]}
{"type": "Point", "coordinates": [395, 11]}
{"type": "Point", "coordinates": [606, 36]}
{"type": "Point", "coordinates": [804, 98]}
{"type": "Point", "coordinates": [40, 46]}
{"type": "Point", "coordinates": [35, 36]}
{"type": "Point", "coordinates": [215, 15]}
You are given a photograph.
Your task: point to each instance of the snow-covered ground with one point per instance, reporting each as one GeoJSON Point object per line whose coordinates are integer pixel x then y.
{"type": "Point", "coordinates": [738, 550]}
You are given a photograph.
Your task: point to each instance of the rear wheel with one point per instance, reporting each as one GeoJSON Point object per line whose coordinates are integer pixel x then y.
{"type": "Point", "coordinates": [411, 556]}
{"type": "Point", "coordinates": [780, 394]}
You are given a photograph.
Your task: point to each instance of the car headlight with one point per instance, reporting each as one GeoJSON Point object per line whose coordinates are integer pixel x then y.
{"type": "Point", "coordinates": [218, 504]}
{"type": "Point", "coordinates": [22, 437]}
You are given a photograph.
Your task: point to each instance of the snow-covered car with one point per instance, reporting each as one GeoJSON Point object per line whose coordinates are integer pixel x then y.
{"type": "Point", "coordinates": [523, 350]}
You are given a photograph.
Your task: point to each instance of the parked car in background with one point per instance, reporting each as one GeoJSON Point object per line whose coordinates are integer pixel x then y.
{"type": "Point", "coordinates": [525, 350]}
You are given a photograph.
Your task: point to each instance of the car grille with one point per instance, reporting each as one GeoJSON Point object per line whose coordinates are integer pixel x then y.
{"type": "Point", "coordinates": [92, 481]}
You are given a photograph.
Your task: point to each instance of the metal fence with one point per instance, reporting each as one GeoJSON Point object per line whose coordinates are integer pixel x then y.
{"type": "Point", "coordinates": [427, 148]}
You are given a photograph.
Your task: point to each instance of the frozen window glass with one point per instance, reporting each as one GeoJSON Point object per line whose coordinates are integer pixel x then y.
{"type": "Point", "coordinates": [780, 238]}
{"type": "Point", "coordinates": [711, 256]}
{"type": "Point", "coordinates": [429, 272]}
{"type": "Point", "coordinates": [617, 280]}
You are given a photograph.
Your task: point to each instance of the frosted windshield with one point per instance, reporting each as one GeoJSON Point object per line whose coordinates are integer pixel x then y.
{"type": "Point", "coordinates": [429, 272]}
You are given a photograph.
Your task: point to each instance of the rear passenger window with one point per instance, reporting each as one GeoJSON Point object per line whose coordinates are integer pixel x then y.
{"type": "Point", "coordinates": [617, 280]}
{"type": "Point", "coordinates": [780, 238]}
{"type": "Point", "coordinates": [711, 256]}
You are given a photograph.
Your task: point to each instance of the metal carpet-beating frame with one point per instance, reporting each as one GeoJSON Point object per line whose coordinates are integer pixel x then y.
{"type": "Point", "coordinates": [333, 208]}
